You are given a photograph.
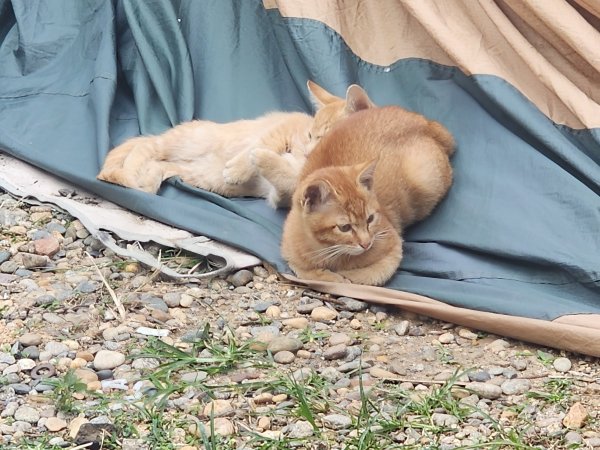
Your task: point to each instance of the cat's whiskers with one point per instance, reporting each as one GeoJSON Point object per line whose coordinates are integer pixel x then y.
{"type": "Point", "coordinates": [323, 255]}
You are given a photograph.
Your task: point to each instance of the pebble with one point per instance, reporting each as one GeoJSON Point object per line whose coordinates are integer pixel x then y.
{"type": "Point", "coordinates": [27, 414]}
{"type": "Point", "coordinates": [480, 376]}
{"type": "Point", "coordinates": [378, 372]}
{"type": "Point", "coordinates": [284, 343]}
{"type": "Point", "coordinates": [446, 338]}
{"type": "Point", "coordinates": [186, 301]}
{"type": "Point", "coordinates": [55, 424]}
{"type": "Point", "coordinates": [562, 364]}
{"type": "Point", "coordinates": [218, 408]}
{"type": "Point", "coordinates": [307, 308]}
{"type": "Point", "coordinates": [337, 421]}
{"type": "Point", "coordinates": [572, 438]}
{"type": "Point", "coordinates": [323, 314]}
{"type": "Point", "coordinates": [284, 357]}
{"type": "Point", "coordinates": [576, 416]}
{"type": "Point", "coordinates": [29, 339]}
{"type": "Point", "coordinates": [193, 377]}
{"type": "Point", "coordinates": [172, 299]}
{"type": "Point", "coordinates": [298, 323]}
{"type": "Point", "coordinates": [444, 420]}
{"type": "Point", "coordinates": [108, 359]}
{"type": "Point", "coordinates": [350, 304]}
{"type": "Point", "coordinates": [485, 390]}
{"type": "Point", "coordinates": [47, 246]}
{"type": "Point", "coordinates": [56, 348]}
{"type": "Point", "coordinates": [467, 334]}
{"type": "Point", "coordinates": [516, 386]}
{"type": "Point", "coordinates": [300, 430]}
{"type": "Point", "coordinates": [336, 352]}
{"type": "Point", "coordinates": [241, 278]}
{"type": "Point", "coordinates": [152, 331]}
{"type": "Point", "coordinates": [339, 338]}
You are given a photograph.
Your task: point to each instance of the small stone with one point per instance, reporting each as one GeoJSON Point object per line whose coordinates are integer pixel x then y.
{"type": "Point", "coordinates": [241, 278]}
{"type": "Point", "coordinates": [485, 390]}
{"type": "Point", "coordinates": [572, 438]}
{"type": "Point", "coordinates": [562, 364]}
{"type": "Point", "coordinates": [193, 377]}
{"type": "Point", "coordinates": [516, 386]}
{"type": "Point", "coordinates": [218, 408]}
{"type": "Point", "coordinates": [298, 323]}
{"type": "Point", "coordinates": [108, 359]}
{"type": "Point", "coordinates": [31, 352]}
{"type": "Point", "coordinates": [284, 343]}
{"type": "Point", "coordinates": [4, 256]}
{"type": "Point", "coordinates": [300, 430]}
{"type": "Point", "coordinates": [86, 375]}
{"type": "Point", "coordinates": [519, 364]}
{"type": "Point", "coordinates": [284, 357]}
{"type": "Point", "coordinates": [273, 312]}
{"type": "Point", "coordinates": [263, 423]}
{"type": "Point", "coordinates": [467, 334]}
{"type": "Point", "coordinates": [9, 267]}
{"type": "Point", "coordinates": [28, 339]}
{"type": "Point", "coordinates": [378, 372]}
{"type": "Point", "coordinates": [337, 421]}
{"type": "Point", "coordinates": [27, 414]}
{"type": "Point", "coordinates": [25, 364]}
{"type": "Point", "coordinates": [7, 358]}
{"type": "Point", "coordinates": [446, 338]}
{"type": "Point", "coordinates": [576, 416]}
{"type": "Point", "coordinates": [105, 374]}
{"type": "Point", "coordinates": [444, 420]}
{"type": "Point", "coordinates": [307, 308]}
{"type": "Point", "coordinates": [172, 299]}
{"type": "Point", "coordinates": [33, 261]}
{"type": "Point", "coordinates": [186, 301]}
{"type": "Point", "coordinates": [323, 314]}
{"type": "Point", "coordinates": [350, 304]}
{"type": "Point", "coordinates": [21, 388]}
{"type": "Point", "coordinates": [401, 329]}
{"type": "Point", "coordinates": [355, 324]}
{"type": "Point", "coordinates": [55, 424]}
{"type": "Point", "coordinates": [336, 352]}
{"type": "Point", "coordinates": [152, 331]}
{"type": "Point", "coordinates": [47, 246]}
{"type": "Point", "coordinates": [91, 432]}
{"type": "Point", "coordinates": [479, 376]}
{"type": "Point", "coordinates": [339, 338]}
{"type": "Point", "coordinates": [56, 348]}
{"type": "Point", "coordinates": [498, 345]}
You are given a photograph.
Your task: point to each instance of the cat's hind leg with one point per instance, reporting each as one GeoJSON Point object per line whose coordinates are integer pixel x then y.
{"type": "Point", "coordinates": [281, 171]}
{"type": "Point", "coordinates": [239, 169]}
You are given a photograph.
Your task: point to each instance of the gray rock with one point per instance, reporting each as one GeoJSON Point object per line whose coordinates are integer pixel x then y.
{"type": "Point", "coordinates": [267, 329]}
{"type": "Point", "coordinates": [353, 365]}
{"type": "Point", "coordinates": [11, 217]}
{"type": "Point", "coordinates": [299, 430]}
{"type": "Point", "coordinates": [28, 339]}
{"type": "Point", "coordinates": [107, 359]}
{"type": "Point", "coordinates": [331, 374]}
{"type": "Point", "coordinates": [495, 371]}
{"type": "Point", "coordinates": [350, 304]}
{"type": "Point", "coordinates": [192, 377]}
{"type": "Point", "coordinates": [336, 352]}
{"type": "Point", "coordinates": [307, 308]}
{"type": "Point", "coordinates": [104, 374]}
{"type": "Point", "coordinates": [416, 331]}
{"type": "Point", "coordinates": [261, 307]}
{"type": "Point", "coordinates": [337, 421]}
{"type": "Point", "coordinates": [31, 352]}
{"type": "Point", "coordinates": [428, 354]}
{"type": "Point", "coordinates": [21, 388]}
{"type": "Point", "coordinates": [7, 358]}
{"type": "Point", "coordinates": [23, 273]}
{"type": "Point", "coordinates": [284, 343]}
{"type": "Point", "coordinates": [485, 390]}
{"type": "Point", "coordinates": [284, 357]}
{"type": "Point", "coordinates": [4, 256]}
{"type": "Point", "coordinates": [153, 302]}
{"type": "Point", "coordinates": [55, 348]}
{"type": "Point", "coordinates": [573, 437]}
{"type": "Point", "coordinates": [54, 227]}
{"type": "Point", "coordinates": [87, 287]}
{"type": "Point", "coordinates": [354, 351]}
{"type": "Point", "coordinates": [562, 364]}
{"type": "Point", "coordinates": [481, 376]}
{"type": "Point", "coordinates": [27, 414]}
{"type": "Point", "coordinates": [9, 267]}
{"type": "Point", "coordinates": [241, 278]}
{"type": "Point", "coordinates": [444, 420]}
{"type": "Point", "coordinates": [516, 386]}
{"type": "Point", "coordinates": [510, 374]}
{"type": "Point", "coordinates": [45, 299]}
{"type": "Point", "coordinates": [519, 364]}
{"type": "Point", "coordinates": [302, 374]}
{"type": "Point", "coordinates": [172, 299]}
{"type": "Point", "coordinates": [32, 261]}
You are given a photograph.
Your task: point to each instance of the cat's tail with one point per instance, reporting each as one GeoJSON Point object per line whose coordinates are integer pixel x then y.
{"type": "Point", "coordinates": [441, 134]}
{"type": "Point", "coordinates": [132, 164]}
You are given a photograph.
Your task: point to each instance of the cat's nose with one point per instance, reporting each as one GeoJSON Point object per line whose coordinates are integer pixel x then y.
{"type": "Point", "coordinates": [365, 245]}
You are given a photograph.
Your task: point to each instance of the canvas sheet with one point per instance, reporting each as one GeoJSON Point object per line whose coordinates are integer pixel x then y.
{"type": "Point", "coordinates": [514, 248]}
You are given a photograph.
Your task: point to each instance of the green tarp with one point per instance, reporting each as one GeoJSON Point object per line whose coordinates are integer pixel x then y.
{"type": "Point", "coordinates": [517, 234]}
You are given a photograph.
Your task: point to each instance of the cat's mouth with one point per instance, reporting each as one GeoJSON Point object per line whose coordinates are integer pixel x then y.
{"type": "Point", "coordinates": [360, 249]}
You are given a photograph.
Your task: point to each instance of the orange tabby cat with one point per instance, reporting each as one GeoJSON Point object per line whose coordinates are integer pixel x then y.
{"type": "Point", "coordinates": [257, 158]}
{"type": "Point", "coordinates": [372, 175]}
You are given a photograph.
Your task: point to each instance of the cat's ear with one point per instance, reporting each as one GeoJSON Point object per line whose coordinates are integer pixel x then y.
{"type": "Point", "coordinates": [315, 194]}
{"type": "Point", "coordinates": [319, 96]}
{"type": "Point", "coordinates": [357, 99]}
{"type": "Point", "coordinates": [366, 174]}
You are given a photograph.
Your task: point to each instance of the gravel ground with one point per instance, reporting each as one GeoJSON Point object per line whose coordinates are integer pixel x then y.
{"type": "Point", "coordinates": [99, 352]}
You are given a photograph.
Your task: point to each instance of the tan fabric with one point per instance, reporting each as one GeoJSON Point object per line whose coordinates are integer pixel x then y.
{"type": "Point", "coordinates": [549, 50]}
{"type": "Point", "coordinates": [580, 334]}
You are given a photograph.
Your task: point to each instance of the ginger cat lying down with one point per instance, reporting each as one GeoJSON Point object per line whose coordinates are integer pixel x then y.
{"type": "Point", "coordinates": [376, 172]}
{"type": "Point", "coordinates": [256, 158]}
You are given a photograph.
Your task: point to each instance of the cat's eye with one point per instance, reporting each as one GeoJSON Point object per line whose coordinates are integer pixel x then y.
{"type": "Point", "coordinates": [288, 149]}
{"type": "Point", "coordinates": [371, 218]}
{"type": "Point", "coordinates": [345, 228]}
{"type": "Point", "coordinates": [309, 135]}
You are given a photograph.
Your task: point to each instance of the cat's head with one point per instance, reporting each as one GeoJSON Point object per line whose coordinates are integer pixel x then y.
{"type": "Point", "coordinates": [330, 109]}
{"type": "Point", "coordinates": [340, 210]}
